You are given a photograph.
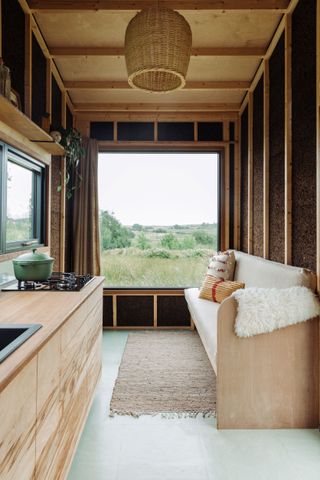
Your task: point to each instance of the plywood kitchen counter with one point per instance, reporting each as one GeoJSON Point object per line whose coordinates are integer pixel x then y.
{"type": "Point", "coordinates": [48, 383]}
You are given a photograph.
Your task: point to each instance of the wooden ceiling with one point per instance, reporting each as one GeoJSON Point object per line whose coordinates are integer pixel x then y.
{"type": "Point", "coordinates": [86, 39]}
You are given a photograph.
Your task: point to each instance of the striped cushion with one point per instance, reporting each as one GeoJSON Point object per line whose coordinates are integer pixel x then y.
{"type": "Point", "coordinates": [217, 289]}
{"type": "Point", "coordinates": [222, 265]}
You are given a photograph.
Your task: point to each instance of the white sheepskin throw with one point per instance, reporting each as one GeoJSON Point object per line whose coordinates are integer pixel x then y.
{"type": "Point", "coordinates": [262, 310]}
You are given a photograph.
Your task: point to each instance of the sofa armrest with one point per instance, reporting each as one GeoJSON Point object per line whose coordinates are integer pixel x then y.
{"type": "Point", "coordinates": [269, 380]}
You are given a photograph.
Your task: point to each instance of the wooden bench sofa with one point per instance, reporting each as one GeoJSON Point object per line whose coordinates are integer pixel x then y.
{"type": "Point", "coordinates": [269, 380]}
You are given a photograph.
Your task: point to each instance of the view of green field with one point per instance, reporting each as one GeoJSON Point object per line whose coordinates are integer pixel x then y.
{"type": "Point", "coordinates": [155, 256]}
{"type": "Point", "coordinates": [18, 229]}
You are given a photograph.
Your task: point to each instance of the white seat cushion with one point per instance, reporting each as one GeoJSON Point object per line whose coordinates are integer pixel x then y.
{"type": "Point", "coordinates": [204, 314]}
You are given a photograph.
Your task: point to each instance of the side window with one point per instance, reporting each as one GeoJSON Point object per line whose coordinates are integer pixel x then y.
{"type": "Point", "coordinates": [23, 197]}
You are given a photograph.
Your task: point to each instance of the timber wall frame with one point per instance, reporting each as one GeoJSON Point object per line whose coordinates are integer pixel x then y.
{"type": "Point", "coordinates": [286, 28]}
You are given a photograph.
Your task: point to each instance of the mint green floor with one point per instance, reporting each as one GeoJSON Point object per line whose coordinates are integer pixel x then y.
{"type": "Point", "coordinates": [152, 448]}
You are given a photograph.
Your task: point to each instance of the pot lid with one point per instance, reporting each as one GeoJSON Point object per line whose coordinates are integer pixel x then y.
{"type": "Point", "coordinates": [33, 257]}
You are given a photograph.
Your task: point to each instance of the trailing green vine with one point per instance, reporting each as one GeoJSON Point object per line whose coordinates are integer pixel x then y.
{"type": "Point", "coordinates": [71, 140]}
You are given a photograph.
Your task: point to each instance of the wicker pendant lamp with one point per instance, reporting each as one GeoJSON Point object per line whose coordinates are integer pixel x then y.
{"type": "Point", "coordinates": [157, 50]}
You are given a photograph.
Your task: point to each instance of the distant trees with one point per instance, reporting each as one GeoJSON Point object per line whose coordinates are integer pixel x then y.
{"type": "Point", "coordinates": [142, 241]}
{"type": "Point", "coordinates": [170, 241]}
{"type": "Point", "coordinates": [113, 234]}
{"type": "Point", "coordinates": [202, 237]}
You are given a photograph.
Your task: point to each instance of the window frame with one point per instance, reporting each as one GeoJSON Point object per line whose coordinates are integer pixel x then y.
{"type": "Point", "coordinates": [140, 147]}
{"type": "Point", "coordinates": [38, 169]}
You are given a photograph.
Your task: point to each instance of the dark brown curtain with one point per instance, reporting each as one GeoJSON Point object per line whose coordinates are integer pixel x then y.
{"type": "Point", "coordinates": [84, 224]}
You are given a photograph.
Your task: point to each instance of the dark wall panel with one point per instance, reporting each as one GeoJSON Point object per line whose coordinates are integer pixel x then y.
{"type": "Point", "coordinates": [176, 131]}
{"type": "Point", "coordinates": [304, 135]}
{"type": "Point", "coordinates": [101, 130]}
{"type": "Point", "coordinates": [244, 183]}
{"type": "Point", "coordinates": [13, 43]}
{"type": "Point", "coordinates": [172, 311]}
{"type": "Point", "coordinates": [69, 118]}
{"type": "Point", "coordinates": [136, 131]}
{"type": "Point", "coordinates": [210, 131]}
{"type": "Point", "coordinates": [135, 311]}
{"type": "Point", "coordinates": [39, 66]}
{"type": "Point", "coordinates": [107, 311]}
{"type": "Point", "coordinates": [56, 105]}
{"type": "Point", "coordinates": [276, 162]}
{"type": "Point", "coordinates": [257, 205]}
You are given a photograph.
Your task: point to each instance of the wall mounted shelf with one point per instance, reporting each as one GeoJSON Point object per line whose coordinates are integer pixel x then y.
{"type": "Point", "coordinates": [18, 121]}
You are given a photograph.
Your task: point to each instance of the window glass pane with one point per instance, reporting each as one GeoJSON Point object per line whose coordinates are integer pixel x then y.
{"type": "Point", "coordinates": [19, 203]}
{"type": "Point", "coordinates": [158, 217]}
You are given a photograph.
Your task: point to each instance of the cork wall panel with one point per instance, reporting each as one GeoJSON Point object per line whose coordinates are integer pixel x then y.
{"type": "Point", "coordinates": [39, 65]}
{"type": "Point", "coordinates": [304, 221]}
{"type": "Point", "coordinates": [134, 311]}
{"type": "Point", "coordinates": [55, 211]}
{"type": "Point", "coordinates": [244, 183]}
{"type": "Point", "coordinates": [276, 161]}
{"type": "Point", "coordinates": [13, 43]}
{"type": "Point", "coordinates": [231, 221]}
{"type": "Point", "coordinates": [107, 311]}
{"type": "Point", "coordinates": [56, 105]}
{"type": "Point", "coordinates": [172, 311]}
{"type": "Point", "coordinates": [257, 206]}
{"type": "Point", "coordinates": [69, 118]}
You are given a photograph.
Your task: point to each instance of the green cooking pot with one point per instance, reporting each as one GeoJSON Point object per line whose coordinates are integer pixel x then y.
{"type": "Point", "coordinates": [33, 266]}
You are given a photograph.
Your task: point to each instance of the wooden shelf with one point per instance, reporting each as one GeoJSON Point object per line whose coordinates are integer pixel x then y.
{"type": "Point", "coordinates": [15, 119]}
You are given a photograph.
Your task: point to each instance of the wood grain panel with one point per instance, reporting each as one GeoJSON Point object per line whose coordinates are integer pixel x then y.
{"type": "Point", "coordinates": [18, 424]}
{"type": "Point", "coordinates": [49, 406]}
{"type": "Point", "coordinates": [280, 392]}
{"type": "Point", "coordinates": [304, 135]}
{"type": "Point", "coordinates": [257, 193]}
{"type": "Point", "coordinates": [244, 183]}
{"type": "Point", "coordinates": [276, 160]}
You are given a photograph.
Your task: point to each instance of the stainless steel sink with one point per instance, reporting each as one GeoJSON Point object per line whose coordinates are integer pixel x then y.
{"type": "Point", "coordinates": [14, 335]}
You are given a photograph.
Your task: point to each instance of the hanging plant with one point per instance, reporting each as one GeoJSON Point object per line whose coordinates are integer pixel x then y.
{"type": "Point", "coordinates": [71, 140]}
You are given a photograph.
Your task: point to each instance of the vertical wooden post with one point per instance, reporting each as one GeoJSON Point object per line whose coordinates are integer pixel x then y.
{"type": "Point", "coordinates": [114, 310]}
{"type": "Point", "coordinates": [155, 126]}
{"type": "Point", "coordinates": [288, 140]}
{"type": "Point", "coordinates": [250, 172]}
{"type": "Point", "coordinates": [237, 177]}
{"type": "Point", "coordinates": [195, 128]}
{"type": "Point", "coordinates": [226, 184]}
{"type": "Point", "coordinates": [0, 28]}
{"type": "Point", "coordinates": [28, 66]}
{"type": "Point", "coordinates": [155, 311]}
{"type": "Point", "coordinates": [318, 145]}
{"type": "Point", "coordinates": [266, 157]}
{"type": "Point", "coordinates": [115, 131]}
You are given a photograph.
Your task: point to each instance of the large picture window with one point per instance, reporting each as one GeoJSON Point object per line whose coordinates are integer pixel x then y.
{"type": "Point", "coordinates": [158, 217]}
{"type": "Point", "coordinates": [22, 206]}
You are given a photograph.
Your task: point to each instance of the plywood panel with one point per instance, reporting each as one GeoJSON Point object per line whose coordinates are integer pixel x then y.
{"type": "Point", "coordinates": [200, 68]}
{"type": "Point", "coordinates": [49, 406]}
{"type": "Point", "coordinates": [135, 96]}
{"type": "Point", "coordinates": [257, 194]}
{"type": "Point", "coordinates": [250, 28]}
{"type": "Point", "coordinates": [304, 135]}
{"type": "Point", "coordinates": [276, 162]}
{"type": "Point", "coordinates": [18, 422]}
{"type": "Point", "coordinates": [244, 183]}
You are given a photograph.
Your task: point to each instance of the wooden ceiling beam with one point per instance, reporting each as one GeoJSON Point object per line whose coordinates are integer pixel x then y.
{"type": "Point", "coordinates": [156, 107]}
{"type": "Point", "coordinates": [123, 85]}
{"type": "Point", "coordinates": [83, 5]}
{"type": "Point", "coordinates": [119, 51]}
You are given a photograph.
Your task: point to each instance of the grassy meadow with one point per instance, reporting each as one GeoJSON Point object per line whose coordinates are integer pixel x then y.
{"type": "Point", "coordinates": [160, 256]}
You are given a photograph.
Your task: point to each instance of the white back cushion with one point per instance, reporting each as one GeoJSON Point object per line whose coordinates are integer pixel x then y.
{"type": "Point", "coordinates": [259, 272]}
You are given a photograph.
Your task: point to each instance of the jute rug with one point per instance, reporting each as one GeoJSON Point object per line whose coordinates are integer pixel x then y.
{"type": "Point", "coordinates": [165, 373]}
